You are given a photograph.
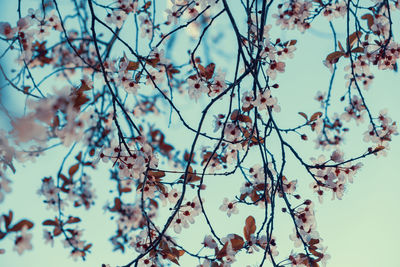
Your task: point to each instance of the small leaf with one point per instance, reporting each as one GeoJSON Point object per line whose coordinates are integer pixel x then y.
{"type": "Point", "coordinates": [50, 222]}
{"type": "Point", "coordinates": [234, 115]}
{"type": "Point", "coordinates": [73, 170]}
{"type": "Point", "coordinates": [334, 57]}
{"type": "Point", "coordinates": [154, 203]}
{"type": "Point", "coordinates": [249, 227]}
{"type": "Point", "coordinates": [2, 235]}
{"type": "Point", "coordinates": [353, 38]}
{"type": "Point", "coordinates": [147, 5]}
{"type": "Point", "coordinates": [57, 231]}
{"type": "Point", "coordinates": [358, 50]}
{"type": "Point", "coordinates": [132, 65]}
{"type": "Point", "coordinates": [303, 115]}
{"type": "Point", "coordinates": [237, 242]}
{"type": "Point", "coordinates": [73, 219]}
{"type": "Point", "coordinates": [340, 46]}
{"type": "Point", "coordinates": [20, 225]}
{"type": "Point", "coordinates": [79, 156]}
{"type": "Point", "coordinates": [64, 178]}
{"type": "Point", "coordinates": [370, 20]}
{"type": "Point", "coordinates": [84, 86]}
{"type": "Point", "coordinates": [117, 205]}
{"type": "Point", "coordinates": [222, 252]}
{"type": "Point", "coordinates": [315, 116]}
{"type": "Point", "coordinates": [8, 219]}
{"type": "Point", "coordinates": [379, 148]}
{"type": "Point", "coordinates": [158, 174]}
{"type": "Point", "coordinates": [181, 252]}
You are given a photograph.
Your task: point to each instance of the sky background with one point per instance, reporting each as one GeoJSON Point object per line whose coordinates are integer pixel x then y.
{"type": "Point", "coordinates": [360, 230]}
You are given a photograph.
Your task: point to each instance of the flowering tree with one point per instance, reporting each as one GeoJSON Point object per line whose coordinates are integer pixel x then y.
{"type": "Point", "coordinates": [169, 100]}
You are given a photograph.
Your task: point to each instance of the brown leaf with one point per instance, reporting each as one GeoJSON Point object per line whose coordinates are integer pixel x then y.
{"type": "Point", "coordinates": [316, 253]}
{"type": "Point", "coordinates": [340, 46]}
{"type": "Point", "coordinates": [125, 190]}
{"type": "Point", "coordinates": [358, 50]}
{"type": "Point", "coordinates": [57, 231]}
{"type": "Point", "coordinates": [193, 178]}
{"type": "Point", "coordinates": [8, 219]}
{"type": "Point", "coordinates": [186, 157]}
{"type": "Point", "coordinates": [56, 122]}
{"type": "Point", "coordinates": [84, 87]}
{"type": "Point", "coordinates": [208, 71]}
{"type": "Point", "coordinates": [79, 156]}
{"type": "Point", "coordinates": [244, 118]}
{"type": "Point", "coordinates": [117, 205]}
{"type": "Point", "coordinates": [370, 20]}
{"type": "Point", "coordinates": [248, 108]}
{"type": "Point", "coordinates": [237, 242]}
{"type": "Point", "coordinates": [303, 115]}
{"type": "Point", "coordinates": [234, 115]}
{"type": "Point", "coordinates": [379, 148]}
{"type": "Point", "coordinates": [180, 252]}
{"type": "Point", "coordinates": [158, 174]}
{"type": "Point", "coordinates": [243, 196]}
{"type": "Point", "coordinates": [50, 222]}
{"type": "Point", "coordinates": [154, 203]}
{"type": "Point", "coordinates": [153, 62]}
{"type": "Point", "coordinates": [165, 148]}
{"type": "Point", "coordinates": [334, 57]}
{"type": "Point", "coordinates": [354, 37]}
{"type": "Point", "coordinates": [73, 219]}
{"type": "Point", "coordinates": [315, 116]}
{"type": "Point", "coordinates": [222, 252]}
{"type": "Point", "coordinates": [79, 100]}
{"type": "Point", "coordinates": [147, 5]}
{"type": "Point", "coordinates": [132, 65]}
{"type": "Point", "coordinates": [249, 227]}
{"type": "Point", "coordinates": [313, 241]}
{"type": "Point", "coordinates": [20, 225]}
{"type": "Point", "coordinates": [64, 178]}
{"type": "Point", "coordinates": [73, 169]}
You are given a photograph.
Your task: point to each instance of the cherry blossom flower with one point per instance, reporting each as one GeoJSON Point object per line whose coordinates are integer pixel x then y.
{"type": "Point", "coordinates": [218, 86]}
{"type": "Point", "coordinates": [337, 156]}
{"type": "Point", "coordinates": [247, 99]}
{"type": "Point", "coordinates": [50, 192]}
{"type": "Point", "coordinates": [48, 237]}
{"type": "Point", "coordinates": [6, 30]}
{"type": "Point", "coordinates": [117, 17]}
{"type": "Point", "coordinates": [4, 186]}
{"type": "Point", "coordinates": [263, 241]}
{"type": "Point", "coordinates": [196, 88]}
{"type": "Point", "coordinates": [264, 100]}
{"type": "Point", "coordinates": [172, 15]}
{"type": "Point", "coordinates": [23, 241]}
{"type": "Point", "coordinates": [77, 254]}
{"type": "Point", "coordinates": [155, 77]}
{"type": "Point", "coordinates": [275, 67]}
{"type": "Point", "coordinates": [232, 132]}
{"type": "Point", "coordinates": [206, 263]}
{"type": "Point", "coordinates": [286, 52]}
{"type": "Point", "coordinates": [178, 223]}
{"type": "Point", "coordinates": [146, 27]}
{"type": "Point", "coordinates": [209, 242]}
{"type": "Point", "coordinates": [229, 207]}
{"type": "Point", "coordinates": [26, 129]}
{"type": "Point", "coordinates": [320, 97]}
